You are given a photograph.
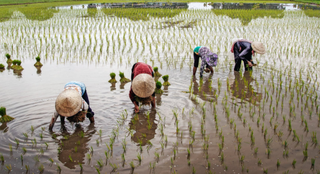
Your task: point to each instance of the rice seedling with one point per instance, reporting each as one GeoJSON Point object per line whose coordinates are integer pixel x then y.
{"type": "Point", "coordinates": [41, 168]}
{"type": "Point", "coordinates": [113, 76]}
{"type": "Point", "coordinates": [222, 157]}
{"type": "Point", "coordinates": [313, 160]}
{"type": "Point", "coordinates": [306, 146]}
{"type": "Point", "coordinates": [139, 158]}
{"type": "Point", "coordinates": [36, 158]}
{"type": "Point", "coordinates": [98, 170]}
{"type": "Point", "coordinates": [305, 153]}
{"type": "Point", "coordinates": [165, 79]}
{"type": "Point", "coordinates": [265, 171]}
{"type": "Point", "coordinates": [100, 163]}
{"type": "Point", "coordinates": [278, 163]}
{"type": "Point", "coordinates": [242, 158]}
{"type": "Point", "coordinates": [25, 135]}
{"type": "Point", "coordinates": [89, 157]}
{"type": "Point", "coordinates": [8, 167]}
{"type": "Point", "coordinates": [259, 162]}
{"type": "Point", "coordinates": [294, 163]}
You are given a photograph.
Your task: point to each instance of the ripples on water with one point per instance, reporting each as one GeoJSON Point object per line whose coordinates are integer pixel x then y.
{"type": "Point", "coordinates": [76, 47]}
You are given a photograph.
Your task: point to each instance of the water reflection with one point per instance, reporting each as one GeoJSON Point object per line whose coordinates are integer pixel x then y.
{"type": "Point", "coordinates": [144, 124]}
{"type": "Point", "coordinates": [122, 84]}
{"type": "Point", "coordinates": [245, 16]}
{"type": "Point", "coordinates": [18, 73]}
{"type": "Point", "coordinates": [204, 90]}
{"type": "Point", "coordinates": [158, 99]}
{"type": "Point", "coordinates": [40, 14]}
{"type": "Point", "coordinates": [249, 6]}
{"type": "Point", "coordinates": [38, 70]}
{"type": "Point", "coordinates": [113, 87]}
{"type": "Point", "coordinates": [136, 14]}
{"type": "Point", "coordinates": [4, 127]}
{"type": "Point", "coordinates": [74, 145]}
{"type": "Point", "coordinates": [241, 88]}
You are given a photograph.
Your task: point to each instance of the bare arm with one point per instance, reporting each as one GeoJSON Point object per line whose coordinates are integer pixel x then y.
{"type": "Point", "coordinates": [53, 120]}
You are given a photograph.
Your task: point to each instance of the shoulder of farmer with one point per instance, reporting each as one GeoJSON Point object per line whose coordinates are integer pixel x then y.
{"type": "Point", "coordinates": [79, 84]}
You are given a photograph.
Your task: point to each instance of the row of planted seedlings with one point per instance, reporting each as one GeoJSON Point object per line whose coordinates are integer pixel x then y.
{"type": "Point", "coordinates": [279, 88]}
{"type": "Point", "coordinates": [27, 149]}
{"type": "Point", "coordinates": [275, 87]}
{"type": "Point", "coordinates": [15, 65]}
{"type": "Point", "coordinates": [63, 38]}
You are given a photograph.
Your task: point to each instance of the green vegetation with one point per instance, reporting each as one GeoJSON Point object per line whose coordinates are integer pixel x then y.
{"type": "Point", "coordinates": [156, 72]}
{"type": "Point", "coordinates": [136, 14]}
{"type": "Point", "coordinates": [4, 117]}
{"type": "Point", "coordinates": [312, 13]}
{"type": "Point", "coordinates": [158, 88]}
{"type": "Point", "coordinates": [123, 79]}
{"type": "Point", "coordinates": [165, 79]}
{"type": "Point", "coordinates": [38, 63]}
{"type": "Point", "coordinates": [17, 65]}
{"type": "Point", "coordinates": [1, 66]}
{"type": "Point", "coordinates": [36, 13]}
{"type": "Point", "coordinates": [9, 60]}
{"type": "Point", "coordinates": [113, 78]}
{"type": "Point", "coordinates": [245, 16]}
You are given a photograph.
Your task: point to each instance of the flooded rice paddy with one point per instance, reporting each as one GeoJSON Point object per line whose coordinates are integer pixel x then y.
{"type": "Point", "coordinates": [266, 121]}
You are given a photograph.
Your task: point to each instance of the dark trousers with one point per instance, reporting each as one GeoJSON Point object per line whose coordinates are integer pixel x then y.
{"type": "Point", "coordinates": [85, 97]}
{"type": "Point", "coordinates": [238, 65]}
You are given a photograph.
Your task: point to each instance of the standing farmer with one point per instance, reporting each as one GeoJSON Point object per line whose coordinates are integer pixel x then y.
{"type": "Point", "coordinates": [208, 60]}
{"type": "Point", "coordinates": [73, 103]}
{"type": "Point", "coordinates": [143, 85]}
{"type": "Point", "coordinates": [243, 50]}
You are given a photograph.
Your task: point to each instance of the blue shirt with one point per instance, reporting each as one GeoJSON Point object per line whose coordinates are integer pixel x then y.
{"type": "Point", "coordinates": [81, 85]}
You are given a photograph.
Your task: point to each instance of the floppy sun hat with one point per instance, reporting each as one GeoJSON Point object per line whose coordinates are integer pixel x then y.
{"type": "Point", "coordinates": [68, 103]}
{"type": "Point", "coordinates": [211, 59]}
{"type": "Point", "coordinates": [258, 47]}
{"type": "Point", "coordinates": [143, 85]}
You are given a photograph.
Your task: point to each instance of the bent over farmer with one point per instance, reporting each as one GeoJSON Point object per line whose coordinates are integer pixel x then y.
{"type": "Point", "coordinates": [73, 103]}
{"type": "Point", "coordinates": [243, 50]}
{"type": "Point", "coordinates": [143, 85]}
{"type": "Point", "coordinates": [208, 60]}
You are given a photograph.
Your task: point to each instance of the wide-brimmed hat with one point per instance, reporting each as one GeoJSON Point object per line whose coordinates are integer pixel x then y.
{"type": "Point", "coordinates": [143, 85]}
{"type": "Point", "coordinates": [68, 103]}
{"type": "Point", "coordinates": [211, 59]}
{"type": "Point", "coordinates": [258, 47]}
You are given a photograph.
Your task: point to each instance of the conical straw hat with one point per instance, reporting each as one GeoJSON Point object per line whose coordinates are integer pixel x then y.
{"type": "Point", "coordinates": [258, 47]}
{"type": "Point", "coordinates": [143, 85]}
{"type": "Point", "coordinates": [68, 103]}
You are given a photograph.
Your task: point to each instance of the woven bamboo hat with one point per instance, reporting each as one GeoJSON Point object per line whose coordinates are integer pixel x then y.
{"type": "Point", "coordinates": [143, 85]}
{"type": "Point", "coordinates": [258, 47]}
{"type": "Point", "coordinates": [68, 103]}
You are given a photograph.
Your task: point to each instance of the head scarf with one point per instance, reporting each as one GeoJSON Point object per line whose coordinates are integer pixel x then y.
{"type": "Point", "coordinates": [196, 49]}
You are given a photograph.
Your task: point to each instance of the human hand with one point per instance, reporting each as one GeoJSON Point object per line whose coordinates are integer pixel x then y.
{"type": "Point", "coordinates": [136, 109]}
{"type": "Point", "coordinates": [207, 70]}
{"type": "Point", "coordinates": [250, 64]}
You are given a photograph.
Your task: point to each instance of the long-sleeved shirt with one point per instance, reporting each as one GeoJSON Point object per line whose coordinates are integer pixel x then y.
{"type": "Point", "coordinates": [139, 68]}
{"type": "Point", "coordinates": [205, 54]}
{"type": "Point", "coordinates": [243, 50]}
